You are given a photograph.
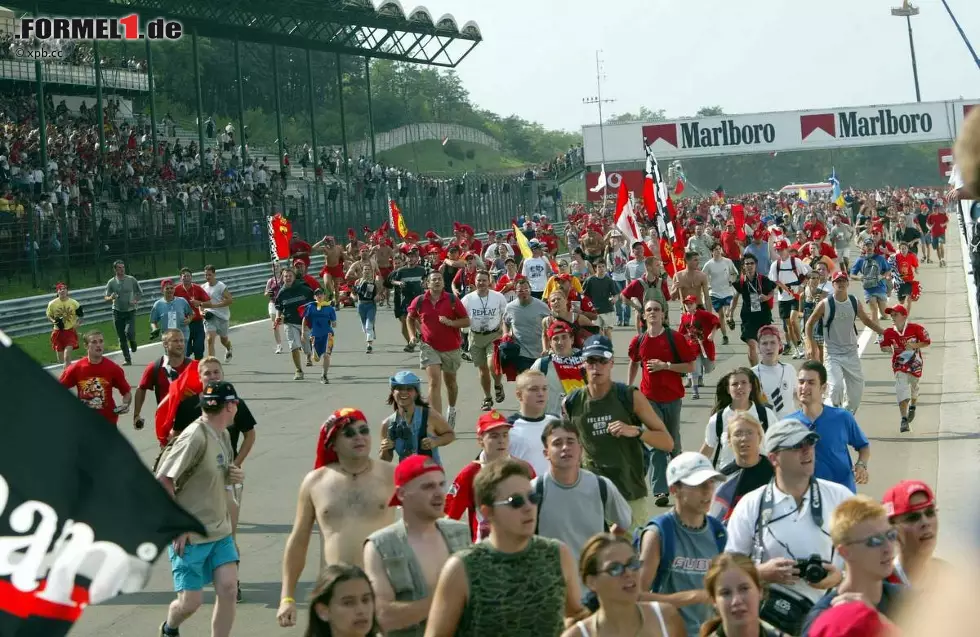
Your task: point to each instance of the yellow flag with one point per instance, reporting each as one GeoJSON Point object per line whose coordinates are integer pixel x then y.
{"type": "Point", "coordinates": [803, 196]}
{"type": "Point", "coordinates": [841, 203]}
{"type": "Point", "coordinates": [522, 242]}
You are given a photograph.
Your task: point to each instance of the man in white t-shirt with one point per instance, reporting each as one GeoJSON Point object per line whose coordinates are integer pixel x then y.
{"type": "Point", "coordinates": [530, 420]}
{"type": "Point", "coordinates": [217, 311]}
{"type": "Point", "coordinates": [486, 311]}
{"type": "Point", "coordinates": [778, 379]}
{"type": "Point", "coordinates": [537, 270]}
{"type": "Point", "coordinates": [789, 273]}
{"type": "Point", "coordinates": [721, 272]}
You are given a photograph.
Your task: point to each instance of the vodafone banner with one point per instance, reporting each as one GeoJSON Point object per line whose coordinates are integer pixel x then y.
{"type": "Point", "coordinates": [633, 179]}
{"type": "Point", "coordinates": [769, 132]}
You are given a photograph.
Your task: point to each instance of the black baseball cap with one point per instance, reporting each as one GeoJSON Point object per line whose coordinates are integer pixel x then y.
{"type": "Point", "coordinates": [218, 392]}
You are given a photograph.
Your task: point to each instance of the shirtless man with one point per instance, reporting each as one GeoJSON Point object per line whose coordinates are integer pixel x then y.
{"type": "Point", "coordinates": [346, 494]}
{"type": "Point", "coordinates": [333, 269]}
{"type": "Point", "coordinates": [384, 254]}
{"type": "Point", "coordinates": [422, 540]}
{"type": "Point", "coordinates": [691, 281]}
{"type": "Point", "coordinates": [353, 247]}
{"type": "Point", "coordinates": [594, 245]}
{"type": "Point", "coordinates": [365, 258]}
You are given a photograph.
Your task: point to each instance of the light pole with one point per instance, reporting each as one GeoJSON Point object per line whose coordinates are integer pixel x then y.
{"type": "Point", "coordinates": [598, 101]}
{"type": "Point", "coordinates": [907, 11]}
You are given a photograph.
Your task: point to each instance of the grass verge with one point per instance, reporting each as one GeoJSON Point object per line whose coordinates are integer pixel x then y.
{"type": "Point", "coordinates": [245, 309]}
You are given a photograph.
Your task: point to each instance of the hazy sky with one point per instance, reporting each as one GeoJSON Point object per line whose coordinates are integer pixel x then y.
{"type": "Point", "coordinates": [538, 56]}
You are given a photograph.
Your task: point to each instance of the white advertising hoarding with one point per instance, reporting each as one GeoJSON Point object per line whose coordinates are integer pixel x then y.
{"type": "Point", "coordinates": [771, 132]}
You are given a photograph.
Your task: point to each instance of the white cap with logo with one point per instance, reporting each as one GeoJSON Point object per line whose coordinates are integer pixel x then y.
{"type": "Point", "coordinates": [691, 468]}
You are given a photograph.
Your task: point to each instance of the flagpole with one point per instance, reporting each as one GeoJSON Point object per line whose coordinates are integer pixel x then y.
{"type": "Point", "coordinates": [598, 101]}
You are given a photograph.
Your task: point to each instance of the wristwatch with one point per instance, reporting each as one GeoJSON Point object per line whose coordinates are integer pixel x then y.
{"type": "Point", "coordinates": [861, 463]}
{"type": "Point", "coordinates": [668, 367]}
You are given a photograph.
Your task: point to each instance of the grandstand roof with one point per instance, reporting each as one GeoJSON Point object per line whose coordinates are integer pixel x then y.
{"type": "Point", "coordinates": [350, 27]}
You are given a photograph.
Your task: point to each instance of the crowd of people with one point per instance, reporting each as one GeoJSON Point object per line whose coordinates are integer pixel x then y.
{"type": "Point", "coordinates": [71, 52]}
{"type": "Point", "coordinates": [583, 500]}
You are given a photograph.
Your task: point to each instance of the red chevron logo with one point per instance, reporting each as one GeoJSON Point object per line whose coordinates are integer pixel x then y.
{"type": "Point", "coordinates": [666, 132]}
{"type": "Point", "coordinates": [823, 121]}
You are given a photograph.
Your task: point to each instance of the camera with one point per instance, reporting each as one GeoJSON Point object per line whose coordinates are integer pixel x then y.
{"type": "Point", "coordinates": [208, 315]}
{"type": "Point", "coordinates": [812, 569]}
{"type": "Point", "coordinates": [59, 323]}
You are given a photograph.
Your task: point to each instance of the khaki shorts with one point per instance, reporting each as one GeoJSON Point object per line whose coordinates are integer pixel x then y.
{"type": "Point", "coordinates": [608, 320]}
{"type": "Point", "coordinates": [295, 340]}
{"type": "Point", "coordinates": [906, 387]}
{"type": "Point", "coordinates": [450, 361]}
{"type": "Point", "coordinates": [481, 347]}
{"type": "Point", "coordinates": [643, 509]}
{"type": "Point", "coordinates": [216, 325]}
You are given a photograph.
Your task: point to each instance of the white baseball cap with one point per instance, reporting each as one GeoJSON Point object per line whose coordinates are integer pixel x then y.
{"type": "Point", "coordinates": [692, 469]}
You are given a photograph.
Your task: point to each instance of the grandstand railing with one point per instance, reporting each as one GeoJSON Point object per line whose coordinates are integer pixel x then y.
{"type": "Point", "coordinates": [70, 74]}
{"type": "Point", "coordinates": [23, 317]}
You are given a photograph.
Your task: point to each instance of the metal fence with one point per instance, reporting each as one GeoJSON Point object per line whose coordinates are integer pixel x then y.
{"type": "Point", "coordinates": [412, 133]}
{"type": "Point", "coordinates": [112, 79]}
{"type": "Point", "coordinates": [77, 243]}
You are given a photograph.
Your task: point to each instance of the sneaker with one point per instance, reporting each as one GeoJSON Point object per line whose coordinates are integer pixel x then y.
{"type": "Point", "coordinates": [238, 595]}
{"type": "Point", "coordinates": [500, 396]}
{"type": "Point", "coordinates": [451, 418]}
{"type": "Point", "coordinates": [278, 349]}
{"type": "Point", "coordinates": [309, 362]}
{"type": "Point", "coordinates": [127, 362]}
{"type": "Point", "coordinates": [228, 356]}
{"type": "Point", "coordinates": [662, 500]}
{"type": "Point", "coordinates": [408, 348]}
{"type": "Point", "coordinates": [696, 395]}
{"type": "Point", "coordinates": [905, 426]}
{"type": "Point", "coordinates": [132, 346]}
{"type": "Point", "coordinates": [298, 375]}
{"type": "Point", "coordinates": [911, 413]}
{"type": "Point", "coordinates": [724, 340]}
{"type": "Point", "coordinates": [324, 380]}
{"type": "Point", "coordinates": [164, 633]}
{"type": "Point", "coordinates": [368, 350]}
{"type": "Point", "coordinates": [688, 382]}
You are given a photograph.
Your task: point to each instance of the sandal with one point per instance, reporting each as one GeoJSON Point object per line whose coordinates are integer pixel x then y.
{"type": "Point", "coordinates": [487, 404]}
{"type": "Point", "coordinates": [499, 393]}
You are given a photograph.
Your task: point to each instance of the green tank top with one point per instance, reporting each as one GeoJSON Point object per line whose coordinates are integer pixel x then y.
{"type": "Point", "coordinates": [514, 594]}
{"type": "Point", "coordinates": [618, 458]}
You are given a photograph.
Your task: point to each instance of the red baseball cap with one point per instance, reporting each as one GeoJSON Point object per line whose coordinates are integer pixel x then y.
{"type": "Point", "coordinates": [60, 286]}
{"type": "Point", "coordinates": [690, 298]}
{"type": "Point", "coordinates": [853, 619]}
{"type": "Point", "coordinates": [839, 276]}
{"type": "Point", "coordinates": [558, 327]}
{"type": "Point", "coordinates": [897, 499]}
{"type": "Point", "coordinates": [897, 309]}
{"type": "Point", "coordinates": [410, 468]}
{"type": "Point", "coordinates": [166, 282]}
{"type": "Point", "coordinates": [298, 262]}
{"type": "Point", "coordinates": [491, 420]}
{"type": "Point", "coordinates": [781, 245]}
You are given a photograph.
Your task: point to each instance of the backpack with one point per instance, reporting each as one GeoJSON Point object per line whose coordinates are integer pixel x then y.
{"type": "Point", "coordinates": [832, 312]}
{"type": "Point", "coordinates": [168, 449]}
{"type": "Point", "coordinates": [760, 410]}
{"type": "Point", "coordinates": [792, 268]}
{"type": "Point", "coordinates": [870, 273]}
{"type": "Point", "coordinates": [664, 524]}
{"type": "Point", "coordinates": [624, 393]}
{"type": "Point", "coordinates": [603, 495]}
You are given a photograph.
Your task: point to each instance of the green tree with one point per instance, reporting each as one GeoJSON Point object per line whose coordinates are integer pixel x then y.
{"type": "Point", "coordinates": [710, 111]}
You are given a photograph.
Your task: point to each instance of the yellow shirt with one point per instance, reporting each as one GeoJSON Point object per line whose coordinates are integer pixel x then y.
{"type": "Point", "coordinates": [65, 310]}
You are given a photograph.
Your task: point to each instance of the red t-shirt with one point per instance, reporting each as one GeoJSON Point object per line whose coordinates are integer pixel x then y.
{"type": "Point", "coordinates": [462, 499]}
{"type": "Point", "coordinates": [580, 302]}
{"type": "Point", "coordinates": [884, 248]}
{"type": "Point", "coordinates": [160, 383]}
{"type": "Point", "coordinates": [937, 223]}
{"type": "Point", "coordinates": [298, 245]}
{"type": "Point", "coordinates": [465, 281]}
{"type": "Point", "coordinates": [698, 326]}
{"type": "Point", "coordinates": [663, 386]}
{"type": "Point", "coordinates": [94, 383]}
{"type": "Point", "coordinates": [895, 341]}
{"type": "Point", "coordinates": [814, 230]}
{"type": "Point", "coordinates": [550, 242]}
{"type": "Point", "coordinates": [906, 264]}
{"type": "Point", "coordinates": [439, 337]}
{"type": "Point", "coordinates": [195, 293]}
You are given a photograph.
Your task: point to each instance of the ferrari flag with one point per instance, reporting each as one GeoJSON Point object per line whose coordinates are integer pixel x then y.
{"type": "Point", "coordinates": [397, 219]}
{"type": "Point", "coordinates": [280, 232]}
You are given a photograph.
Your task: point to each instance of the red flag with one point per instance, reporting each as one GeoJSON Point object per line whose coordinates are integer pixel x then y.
{"type": "Point", "coordinates": [679, 188]}
{"type": "Point", "coordinates": [397, 220]}
{"type": "Point", "coordinates": [738, 216]}
{"type": "Point", "coordinates": [672, 256]}
{"type": "Point", "coordinates": [280, 232]}
{"type": "Point", "coordinates": [187, 384]}
{"type": "Point", "coordinates": [649, 198]}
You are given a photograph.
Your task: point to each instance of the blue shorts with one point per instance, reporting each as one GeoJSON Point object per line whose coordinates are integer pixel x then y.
{"type": "Point", "coordinates": [938, 240]}
{"type": "Point", "coordinates": [719, 302]}
{"type": "Point", "coordinates": [323, 344]}
{"type": "Point", "coordinates": [875, 294]}
{"type": "Point", "coordinates": [195, 568]}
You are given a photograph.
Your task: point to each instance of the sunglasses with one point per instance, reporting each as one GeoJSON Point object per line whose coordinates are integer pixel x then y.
{"type": "Point", "coordinates": [596, 361]}
{"type": "Point", "coordinates": [616, 569]}
{"type": "Point", "coordinates": [402, 387]}
{"type": "Point", "coordinates": [804, 444]}
{"type": "Point", "coordinates": [518, 501]}
{"type": "Point", "coordinates": [878, 540]}
{"type": "Point", "coordinates": [916, 517]}
{"type": "Point", "coordinates": [351, 432]}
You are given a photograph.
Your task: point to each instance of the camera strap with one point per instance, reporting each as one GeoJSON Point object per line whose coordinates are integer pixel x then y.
{"type": "Point", "coordinates": [767, 503]}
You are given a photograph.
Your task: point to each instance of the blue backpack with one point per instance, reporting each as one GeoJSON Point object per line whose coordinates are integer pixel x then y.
{"type": "Point", "coordinates": [665, 525]}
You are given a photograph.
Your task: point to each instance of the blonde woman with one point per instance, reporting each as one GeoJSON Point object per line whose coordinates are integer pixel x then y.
{"type": "Point", "coordinates": [751, 468]}
{"type": "Point", "coordinates": [582, 326]}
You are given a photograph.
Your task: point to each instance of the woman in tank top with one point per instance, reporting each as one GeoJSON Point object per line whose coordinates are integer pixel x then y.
{"type": "Point", "coordinates": [611, 569]}
{"type": "Point", "coordinates": [369, 290]}
{"type": "Point", "coordinates": [812, 294]}
{"type": "Point", "coordinates": [735, 588]}
{"type": "Point", "coordinates": [342, 604]}
{"type": "Point", "coordinates": [582, 326]}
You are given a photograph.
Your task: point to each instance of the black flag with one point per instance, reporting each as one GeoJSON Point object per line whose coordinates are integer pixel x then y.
{"type": "Point", "coordinates": [82, 519]}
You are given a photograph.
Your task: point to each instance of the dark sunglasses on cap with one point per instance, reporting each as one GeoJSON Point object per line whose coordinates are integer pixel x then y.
{"type": "Point", "coordinates": [806, 443]}
{"type": "Point", "coordinates": [616, 569]}
{"type": "Point", "coordinates": [878, 540]}
{"type": "Point", "coordinates": [916, 516]}
{"type": "Point", "coordinates": [350, 432]}
{"type": "Point", "coordinates": [518, 501]}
